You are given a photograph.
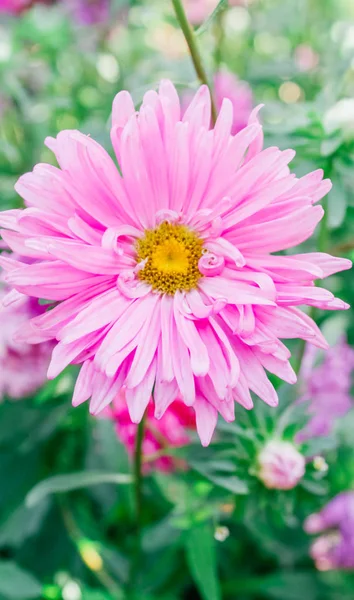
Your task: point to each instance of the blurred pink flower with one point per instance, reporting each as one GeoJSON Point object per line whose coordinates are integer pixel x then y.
{"type": "Point", "coordinates": [226, 85]}
{"type": "Point", "coordinates": [165, 275]}
{"type": "Point", "coordinates": [89, 12]}
{"type": "Point", "coordinates": [305, 57]}
{"type": "Point", "coordinates": [23, 367]}
{"type": "Point", "coordinates": [327, 388]}
{"type": "Point", "coordinates": [281, 466]}
{"type": "Point", "coordinates": [170, 431]}
{"type": "Point", "coordinates": [335, 548]}
{"type": "Point", "coordinates": [14, 7]}
{"type": "Point", "coordinates": [199, 10]}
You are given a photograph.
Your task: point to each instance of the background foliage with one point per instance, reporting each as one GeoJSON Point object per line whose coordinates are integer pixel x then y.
{"type": "Point", "coordinates": [66, 503]}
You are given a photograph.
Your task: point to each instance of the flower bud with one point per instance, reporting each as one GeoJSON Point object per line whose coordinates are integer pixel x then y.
{"type": "Point", "coordinates": [281, 466]}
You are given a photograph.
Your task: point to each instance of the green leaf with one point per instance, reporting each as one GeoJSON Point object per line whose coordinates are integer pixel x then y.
{"type": "Point", "coordinates": [23, 523]}
{"type": "Point", "coordinates": [331, 145]}
{"type": "Point", "coordinates": [232, 483]}
{"type": "Point", "coordinates": [201, 559]}
{"type": "Point", "coordinates": [17, 584]}
{"type": "Point", "coordinates": [215, 464]}
{"type": "Point", "coordinates": [73, 481]}
{"type": "Point", "coordinates": [337, 200]}
{"type": "Point", "coordinates": [160, 535]}
{"type": "Point", "coordinates": [209, 21]}
{"type": "Point", "coordinates": [90, 594]}
{"type": "Point", "coordinates": [318, 488]}
{"type": "Point", "coordinates": [291, 586]}
{"type": "Point", "coordinates": [319, 446]}
{"type": "Point", "coordinates": [107, 452]}
{"type": "Point", "coordinates": [20, 425]}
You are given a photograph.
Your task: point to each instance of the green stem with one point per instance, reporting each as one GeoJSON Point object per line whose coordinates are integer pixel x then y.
{"type": "Point", "coordinates": [219, 38]}
{"type": "Point", "coordinates": [323, 233]}
{"type": "Point", "coordinates": [138, 476]}
{"type": "Point", "coordinates": [302, 346]}
{"type": "Point", "coordinates": [342, 248]}
{"type": "Point", "coordinates": [76, 537]}
{"type": "Point", "coordinates": [138, 502]}
{"type": "Point", "coordinates": [190, 38]}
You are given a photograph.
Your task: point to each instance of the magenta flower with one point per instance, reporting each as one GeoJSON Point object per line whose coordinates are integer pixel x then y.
{"type": "Point", "coordinates": [335, 548]}
{"type": "Point", "coordinates": [280, 465]}
{"type": "Point", "coordinates": [13, 7]}
{"type": "Point", "coordinates": [89, 12]}
{"type": "Point", "coordinates": [169, 431]}
{"type": "Point", "coordinates": [327, 388]}
{"type": "Point", "coordinates": [164, 276]}
{"type": "Point", "coordinates": [23, 367]}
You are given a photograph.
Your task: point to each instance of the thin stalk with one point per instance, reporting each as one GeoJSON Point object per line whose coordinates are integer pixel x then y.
{"type": "Point", "coordinates": [342, 248]}
{"type": "Point", "coordinates": [138, 502]}
{"type": "Point", "coordinates": [76, 537]}
{"type": "Point", "coordinates": [219, 38]}
{"type": "Point", "coordinates": [301, 350]}
{"type": "Point", "coordinates": [138, 475]}
{"type": "Point", "coordinates": [323, 233]}
{"type": "Point", "coordinates": [190, 38]}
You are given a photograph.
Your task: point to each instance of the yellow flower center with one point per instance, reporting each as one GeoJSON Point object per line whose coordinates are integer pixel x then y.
{"type": "Point", "coordinates": [171, 254]}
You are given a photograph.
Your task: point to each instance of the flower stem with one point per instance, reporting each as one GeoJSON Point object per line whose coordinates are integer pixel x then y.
{"type": "Point", "coordinates": [323, 232]}
{"type": "Point", "coordinates": [190, 38]}
{"type": "Point", "coordinates": [300, 354]}
{"type": "Point", "coordinates": [138, 502]}
{"type": "Point", "coordinates": [138, 477]}
{"type": "Point", "coordinates": [219, 38]}
{"type": "Point", "coordinates": [98, 570]}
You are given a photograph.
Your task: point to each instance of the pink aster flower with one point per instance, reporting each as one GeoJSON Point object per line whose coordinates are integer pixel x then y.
{"type": "Point", "coordinates": [23, 367]}
{"type": "Point", "coordinates": [171, 430]}
{"type": "Point", "coordinates": [281, 465]}
{"type": "Point", "coordinates": [163, 273]}
{"type": "Point", "coordinates": [327, 388]}
{"type": "Point", "coordinates": [334, 549]}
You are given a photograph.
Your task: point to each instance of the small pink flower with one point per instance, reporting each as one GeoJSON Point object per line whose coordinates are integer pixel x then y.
{"type": "Point", "coordinates": [169, 431]}
{"type": "Point", "coordinates": [281, 466]}
{"type": "Point", "coordinates": [121, 254]}
{"type": "Point", "coordinates": [334, 549]}
{"type": "Point", "coordinates": [327, 388]}
{"type": "Point", "coordinates": [23, 367]}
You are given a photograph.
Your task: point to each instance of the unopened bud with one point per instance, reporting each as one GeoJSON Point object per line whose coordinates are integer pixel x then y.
{"type": "Point", "coordinates": [281, 466]}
